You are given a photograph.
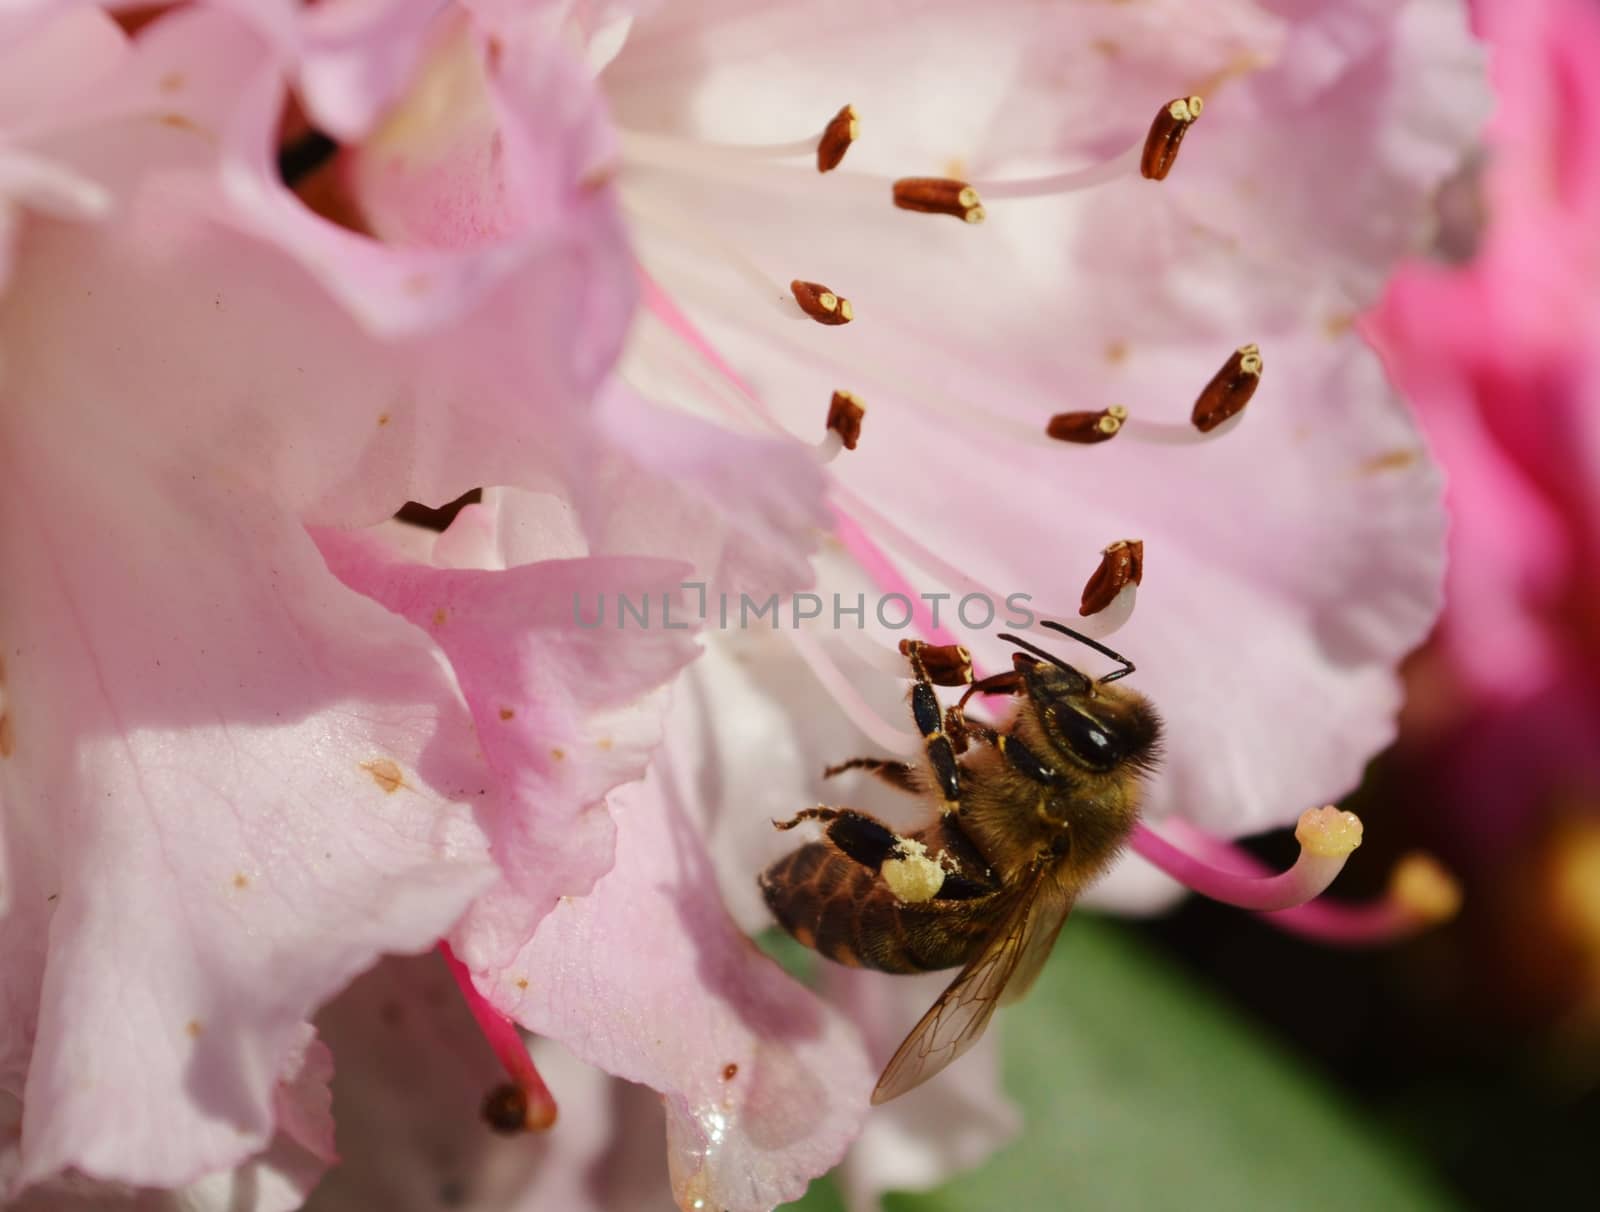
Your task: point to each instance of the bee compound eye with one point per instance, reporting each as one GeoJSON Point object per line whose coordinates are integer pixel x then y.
{"type": "Point", "coordinates": [1086, 738]}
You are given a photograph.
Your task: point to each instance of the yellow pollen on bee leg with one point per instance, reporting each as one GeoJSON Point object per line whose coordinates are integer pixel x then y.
{"type": "Point", "coordinates": [913, 877]}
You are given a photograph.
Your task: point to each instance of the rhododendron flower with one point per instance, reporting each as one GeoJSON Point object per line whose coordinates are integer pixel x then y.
{"type": "Point", "coordinates": [231, 781]}
{"type": "Point", "coordinates": [353, 257]}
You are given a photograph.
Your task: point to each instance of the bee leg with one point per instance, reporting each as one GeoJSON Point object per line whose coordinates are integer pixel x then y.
{"type": "Point", "coordinates": [960, 729]}
{"type": "Point", "coordinates": [1024, 761]}
{"type": "Point", "coordinates": [897, 774]}
{"type": "Point", "coordinates": [856, 834]}
{"type": "Point", "coordinates": [930, 722]}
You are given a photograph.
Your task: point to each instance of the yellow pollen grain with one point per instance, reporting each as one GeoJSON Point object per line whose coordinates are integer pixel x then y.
{"type": "Point", "coordinates": [914, 878]}
{"type": "Point", "coordinates": [508, 713]}
{"type": "Point", "coordinates": [241, 880]}
{"type": "Point", "coordinates": [1328, 833]}
{"type": "Point", "coordinates": [383, 419]}
{"type": "Point", "coordinates": [8, 739]}
{"type": "Point", "coordinates": [194, 1028]}
{"type": "Point", "coordinates": [439, 616]}
{"type": "Point", "coordinates": [171, 82]}
{"type": "Point", "coordinates": [558, 754]}
{"type": "Point", "coordinates": [522, 982]}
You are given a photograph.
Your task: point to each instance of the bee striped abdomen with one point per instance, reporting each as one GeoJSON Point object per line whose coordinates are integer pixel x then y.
{"type": "Point", "coordinates": [843, 909]}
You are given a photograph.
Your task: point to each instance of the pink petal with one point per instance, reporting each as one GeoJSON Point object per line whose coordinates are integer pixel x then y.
{"type": "Point", "coordinates": [557, 705]}
{"type": "Point", "coordinates": [1308, 542]}
{"type": "Point", "coordinates": [413, 1072]}
{"type": "Point", "coordinates": [185, 896]}
{"type": "Point", "coordinates": [647, 978]}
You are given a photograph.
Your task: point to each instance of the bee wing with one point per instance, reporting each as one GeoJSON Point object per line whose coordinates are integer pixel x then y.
{"type": "Point", "coordinates": [962, 1012]}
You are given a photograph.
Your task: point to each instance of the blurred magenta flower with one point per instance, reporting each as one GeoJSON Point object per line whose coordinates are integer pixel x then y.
{"type": "Point", "coordinates": [339, 257]}
{"type": "Point", "coordinates": [1498, 358]}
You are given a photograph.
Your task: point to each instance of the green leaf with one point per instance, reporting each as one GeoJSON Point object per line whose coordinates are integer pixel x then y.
{"type": "Point", "coordinates": [1141, 1090]}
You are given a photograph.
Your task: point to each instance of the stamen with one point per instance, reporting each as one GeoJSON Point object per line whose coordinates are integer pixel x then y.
{"type": "Point", "coordinates": [1327, 838]}
{"type": "Point", "coordinates": [845, 411]}
{"type": "Point", "coordinates": [676, 152]}
{"type": "Point", "coordinates": [939, 196]}
{"type": "Point", "coordinates": [526, 1091]}
{"type": "Point", "coordinates": [945, 664]}
{"type": "Point", "coordinates": [1230, 389]}
{"type": "Point", "coordinates": [1421, 895]}
{"type": "Point", "coordinates": [695, 236]}
{"type": "Point", "coordinates": [1121, 567]}
{"type": "Point", "coordinates": [820, 303]}
{"type": "Point", "coordinates": [1123, 164]}
{"type": "Point", "coordinates": [843, 129]}
{"type": "Point", "coordinates": [1087, 428]}
{"type": "Point", "coordinates": [1166, 134]}
{"type": "Point", "coordinates": [860, 713]}
{"type": "Point", "coordinates": [858, 511]}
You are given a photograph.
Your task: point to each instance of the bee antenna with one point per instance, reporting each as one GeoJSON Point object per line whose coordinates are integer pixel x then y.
{"type": "Point", "coordinates": [1127, 665]}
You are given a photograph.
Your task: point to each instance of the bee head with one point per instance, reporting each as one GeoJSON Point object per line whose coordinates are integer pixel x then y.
{"type": "Point", "coordinates": [1100, 726]}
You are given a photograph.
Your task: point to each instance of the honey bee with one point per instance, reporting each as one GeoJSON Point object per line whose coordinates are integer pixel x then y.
{"type": "Point", "coordinates": [1030, 814]}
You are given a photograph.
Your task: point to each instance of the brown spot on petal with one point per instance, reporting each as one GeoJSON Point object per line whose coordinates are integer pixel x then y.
{"type": "Point", "coordinates": [171, 82]}
{"type": "Point", "coordinates": [730, 1071]}
{"type": "Point", "coordinates": [558, 754]}
{"type": "Point", "coordinates": [1394, 460]}
{"type": "Point", "coordinates": [386, 774]}
{"type": "Point", "coordinates": [508, 713]}
{"type": "Point", "coordinates": [1116, 352]}
{"type": "Point", "coordinates": [383, 419]}
{"type": "Point", "coordinates": [522, 982]}
{"type": "Point", "coordinates": [604, 744]}
{"type": "Point", "coordinates": [1336, 325]}
{"type": "Point", "coordinates": [439, 616]}
{"type": "Point", "coordinates": [195, 1028]}
{"type": "Point", "coordinates": [182, 122]}
{"type": "Point", "coordinates": [8, 739]}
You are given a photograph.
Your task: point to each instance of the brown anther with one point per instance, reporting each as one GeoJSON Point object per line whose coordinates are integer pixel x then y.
{"type": "Point", "coordinates": [843, 129]}
{"type": "Point", "coordinates": [1166, 133]}
{"type": "Point", "coordinates": [1121, 564]}
{"type": "Point", "coordinates": [1087, 428]}
{"type": "Point", "coordinates": [945, 664]}
{"type": "Point", "coordinates": [505, 1109]}
{"type": "Point", "coordinates": [844, 417]}
{"type": "Point", "coordinates": [821, 304]}
{"type": "Point", "coordinates": [1230, 389]}
{"type": "Point", "coordinates": [939, 196]}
